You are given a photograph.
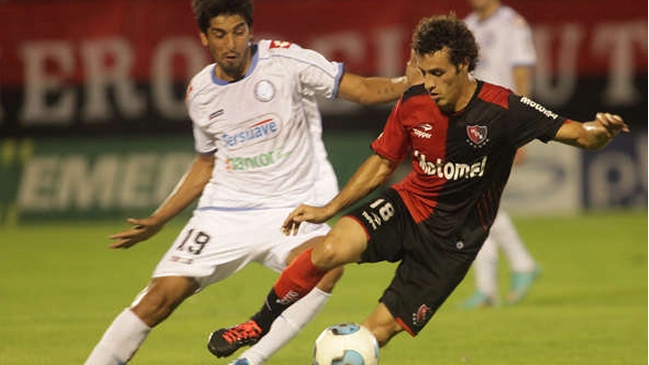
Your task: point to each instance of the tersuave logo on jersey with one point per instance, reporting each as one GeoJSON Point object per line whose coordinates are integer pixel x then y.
{"type": "Point", "coordinates": [265, 128]}
{"type": "Point", "coordinates": [255, 162]}
{"type": "Point", "coordinates": [451, 170]}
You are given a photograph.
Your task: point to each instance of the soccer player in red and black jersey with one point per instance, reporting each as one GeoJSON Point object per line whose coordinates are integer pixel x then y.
{"type": "Point", "coordinates": [461, 135]}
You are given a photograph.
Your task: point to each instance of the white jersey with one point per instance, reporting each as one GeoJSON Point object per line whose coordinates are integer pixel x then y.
{"type": "Point", "coordinates": [264, 130]}
{"type": "Point", "coordinates": [505, 41]}
{"type": "Point", "coordinates": [326, 183]}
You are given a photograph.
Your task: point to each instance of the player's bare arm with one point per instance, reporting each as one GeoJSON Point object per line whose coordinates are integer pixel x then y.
{"type": "Point", "coordinates": [188, 189]}
{"type": "Point", "coordinates": [376, 90]}
{"type": "Point", "coordinates": [523, 80]}
{"type": "Point", "coordinates": [372, 173]}
{"type": "Point", "coordinates": [592, 135]}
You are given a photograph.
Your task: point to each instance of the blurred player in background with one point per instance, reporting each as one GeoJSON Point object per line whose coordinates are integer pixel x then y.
{"type": "Point", "coordinates": [507, 58]}
{"type": "Point", "coordinates": [257, 134]}
{"type": "Point", "coordinates": [460, 135]}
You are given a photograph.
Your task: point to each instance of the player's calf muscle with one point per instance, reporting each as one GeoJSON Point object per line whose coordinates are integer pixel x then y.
{"type": "Point", "coordinates": [329, 280]}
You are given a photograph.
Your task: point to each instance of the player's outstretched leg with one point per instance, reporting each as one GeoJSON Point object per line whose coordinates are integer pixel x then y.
{"type": "Point", "coordinates": [294, 318]}
{"type": "Point", "coordinates": [298, 279]}
{"type": "Point", "coordinates": [291, 322]}
{"type": "Point", "coordinates": [129, 330]}
{"type": "Point", "coordinates": [225, 341]}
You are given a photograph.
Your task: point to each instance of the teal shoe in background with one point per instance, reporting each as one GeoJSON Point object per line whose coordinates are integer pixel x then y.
{"type": "Point", "coordinates": [521, 284]}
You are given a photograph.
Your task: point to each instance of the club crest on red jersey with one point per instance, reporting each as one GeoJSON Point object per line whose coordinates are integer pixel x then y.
{"type": "Point", "coordinates": [477, 135]}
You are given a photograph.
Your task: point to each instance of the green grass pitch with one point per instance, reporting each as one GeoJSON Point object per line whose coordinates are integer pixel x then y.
{"type": "Point", "coordinates": [60, 287]}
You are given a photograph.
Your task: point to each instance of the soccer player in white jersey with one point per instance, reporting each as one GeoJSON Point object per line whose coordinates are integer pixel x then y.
{"type": "Point", "coordinates": [257, 136]}
{"type": "Point", "coordinates": [507, 57]}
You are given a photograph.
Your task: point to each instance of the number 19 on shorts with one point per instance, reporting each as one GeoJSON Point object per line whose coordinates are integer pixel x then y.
{"type": "Point", "coordinates": [194, 242]}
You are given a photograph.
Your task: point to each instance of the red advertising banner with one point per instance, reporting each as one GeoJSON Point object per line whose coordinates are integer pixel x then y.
{"type": "Point", "coordinates": [83, 61]}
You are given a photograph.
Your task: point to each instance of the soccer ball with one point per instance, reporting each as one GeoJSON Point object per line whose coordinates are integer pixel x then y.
{"type": "Point", "coordinates": [346, 344]}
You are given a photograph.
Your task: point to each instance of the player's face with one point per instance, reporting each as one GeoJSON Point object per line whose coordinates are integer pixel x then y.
{"type": "Point", "coordinates": [445, 82]}
{"type": "Point", "coordinates": [228, 38]}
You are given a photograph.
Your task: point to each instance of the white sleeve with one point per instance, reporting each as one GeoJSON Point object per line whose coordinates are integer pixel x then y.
{"type": "Point", "coordinates": [203, 144]}
{"type": "Point", "coordinates": [322, 77]}
{"type": "Point", "coordinates": [522, 43]}
{"type": "Point", "coordinates": [315, 72]}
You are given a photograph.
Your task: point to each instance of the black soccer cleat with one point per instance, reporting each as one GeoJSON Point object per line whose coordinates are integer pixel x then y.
{"type": "Point", "coordinates": [225, 341]}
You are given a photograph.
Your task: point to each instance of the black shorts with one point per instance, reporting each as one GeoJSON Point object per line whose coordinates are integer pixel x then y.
{"type": "Point", "coordinates": [429, 270]}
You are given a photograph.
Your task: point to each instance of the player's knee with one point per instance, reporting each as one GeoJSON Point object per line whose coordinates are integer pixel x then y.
{"type": "Point", "coordinates": [328, 282]}
{"type": "Point", "coordinates": [303, 247]}
{"type": "Point", "coordinates": [153, 308]}
{"type": "Point", "coordinates": [344, 244]}
{"type": "Point", "coordinates": [161, 298]}
{"type": "Point", "coordinates": [325, 255]}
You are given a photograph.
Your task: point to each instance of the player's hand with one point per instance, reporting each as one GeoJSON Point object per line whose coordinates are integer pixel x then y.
{"type": "Point", "coordinates": [142, 229]}
{"type": "Point", "coordinates": [612, 123]}
{"type": "Point", "coordinates": [304, 213]}
{"type": "Point", "coordinates": [413, 73]}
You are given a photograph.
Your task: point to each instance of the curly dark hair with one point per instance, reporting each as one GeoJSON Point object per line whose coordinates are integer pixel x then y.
{"type": "Point", "coordinates": [434, 33]}
{"type": "Point", "coordinates": [205, 10]}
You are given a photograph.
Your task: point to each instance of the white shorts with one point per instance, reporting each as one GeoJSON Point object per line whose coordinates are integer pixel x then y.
{"type": "Point", "coordinates": [216, 244]}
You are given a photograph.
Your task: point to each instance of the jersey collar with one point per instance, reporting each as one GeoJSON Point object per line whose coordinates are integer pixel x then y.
{"type": "Point", "coordinates": [253, 65]}
{"type": "Point", "coordinates": [473, 98]}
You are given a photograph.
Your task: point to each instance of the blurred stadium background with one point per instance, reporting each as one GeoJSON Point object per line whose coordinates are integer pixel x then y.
{"type": "Point", "coordinates": [93, 126]}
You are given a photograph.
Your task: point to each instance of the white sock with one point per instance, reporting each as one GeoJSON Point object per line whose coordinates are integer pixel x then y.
{"type": "Point", "coordinates": [507, 238]}
{"type": "Point", "coordinates": [120, 341]}
{"type": "Point", "coordinates": [287, 326]}
{"type": "Point", "coordinates": [486, 268]}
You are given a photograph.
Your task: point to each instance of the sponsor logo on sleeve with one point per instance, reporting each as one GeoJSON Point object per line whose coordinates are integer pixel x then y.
{"type": "Point", "coordinates": [538, 107]}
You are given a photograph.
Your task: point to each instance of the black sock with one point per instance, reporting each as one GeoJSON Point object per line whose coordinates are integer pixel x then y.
{"type": "Point", "coordinates": [271, 309]}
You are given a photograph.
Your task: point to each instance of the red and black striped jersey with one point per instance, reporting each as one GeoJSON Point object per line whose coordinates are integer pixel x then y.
{"type": "Point", "coordinates": [461, 162]}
